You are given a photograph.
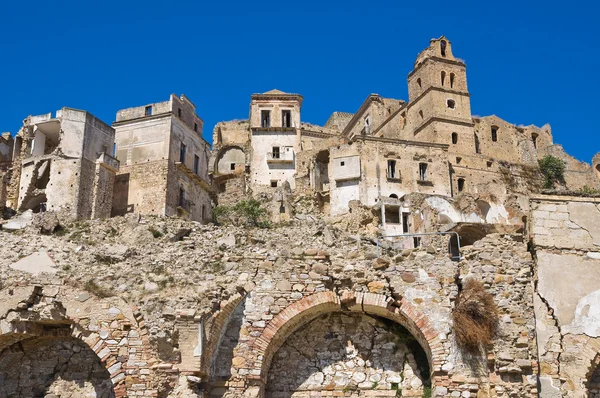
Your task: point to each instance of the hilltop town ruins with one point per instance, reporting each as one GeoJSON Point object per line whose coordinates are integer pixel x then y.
{"type": "Point", "coordinates": [119, 279]}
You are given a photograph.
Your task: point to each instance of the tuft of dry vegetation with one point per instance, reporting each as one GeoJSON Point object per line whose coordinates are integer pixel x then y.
{"type": "Point", "coordinates": [475, 317]}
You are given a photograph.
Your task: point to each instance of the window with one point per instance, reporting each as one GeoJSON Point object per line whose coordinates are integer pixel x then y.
{"type": "Point", "coordinates": [477, 147]}
{"type": "Point", "coordinates": [273, 183]}
{"type": "Point", "coordinates": [454, 138]}
{"type": "Point", "coordinates": [394, 196]}
{"type": "Point", "coordinates": [196, 127]}
{"type": "Point", "coordinates": [451, 103]}
{"type": "Point", "coordinates": [461, 184]}
{"type": "Point", "coordinates": [443, 47]}
{"type": "Point", "coordinates": [276, 154]}
{"type": "Point", "coordinates": [494, 133]}
{"type": "Point", "coordinates": [489, 163]}
{"type": "Point", "coordinates": [367, 124]}
{"type": "Point", "coordinates": [405, 222]}
{"type": "Point", "coordinates": [232, 166]}
{"type": "Point", "coordinates": [196, 163]}
{"type": "Point", "coordinates": [423, 171]}
{"type": "Point", "coordinates": [179, 112]}
{"type": "Point", "coordinates": [181, 197]}
{"type": "Point", "coordinates": [392, 215]}
{"type": "Point", "coordinates": [443, 77]}
{"type": "Point", "coordinates": [342, 163]}
{"type": "Point", "coordinates": [391, 169]}
{"type": "Point", "coordinates": [265, 118]}
{"type": "Point", "coordinates": [458, 160]}
{"type": "Point", "coordinates": [421, 114]}
{"type": "Point", "coordinates": [534, 137]}
{"type": "Point", "coordinates": [203, 212]}
{"type": "Point", "coordinates": [182, 153]}
{"type": "Point", "coordinates": [451, 80]}
{"type": "Point", "coordinates": [148, 111]}
{"type": "Point", "coordinates": [114, 153]}
{"type": "Point", "coordinates": [286, 118]}
{"type": "Point", "coordinates": [419, 83]}
{"type": "Point", "coordinates": [417, 241]}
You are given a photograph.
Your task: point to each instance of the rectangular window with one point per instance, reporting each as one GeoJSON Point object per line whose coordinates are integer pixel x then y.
{"type": "Point", "coordinates": [181, 197]}
{"type": "Point", "coordinates": [276, 153]}
{"type": "Point", "coordinates": [405, 222]}
{"type": "Point", "coordinates": [391, 169]}
{"type": "Point", "coordinates": [196, 163]}
{"type": "Point", "coordinates": [392, 215]}
{"type": "Point", "coordinates": [196, 127]}
{"type": "Point", "coordinates": [286, 118]}
{"type": "Point", "coordinates": [203, 212]}
{"type": "Point", "coordinates": [232, 166]}
{"type": "Point", "coordinates": [265, 118]}
{"type": "Point", "coordinates": [417, 241]}
{"type": "Point", "coordinates": [423, 171]}
{"type": "Point", "coordinates": [179, 112]}
{"type": "Point", "coordinates": [273, 183]}
{"type": "Point", "coordinates": [182, 153]}
{"type": "Point", "coordinates": [148, 110]}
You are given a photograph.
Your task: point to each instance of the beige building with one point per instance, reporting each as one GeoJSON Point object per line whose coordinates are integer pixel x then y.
{"type": "Point", "coordinates": [164, 161]}
{"type": "Point", "coordinates": [64, 163]}
{"type": "Point", "coordinates": [472, 169]}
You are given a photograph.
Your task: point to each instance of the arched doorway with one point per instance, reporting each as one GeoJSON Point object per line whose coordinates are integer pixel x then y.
{"type": "Point", "coordinates": [349, 352]}
{"type": "Point", "coordinates": [53, 366]}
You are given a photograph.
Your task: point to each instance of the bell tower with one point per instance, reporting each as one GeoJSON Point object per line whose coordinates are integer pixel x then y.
{"type": "Point", "coordinates": [439, 101]}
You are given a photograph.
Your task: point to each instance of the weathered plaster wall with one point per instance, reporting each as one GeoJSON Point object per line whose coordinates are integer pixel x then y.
{"type": "Point", "coordinates": [565, 232]}
{"type": "Point", "coordinates": [263, 169]}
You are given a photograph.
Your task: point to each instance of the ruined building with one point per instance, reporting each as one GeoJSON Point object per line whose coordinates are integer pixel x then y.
{"type": "Point", "coordinates": [469, 169]}
{"type": "Point", "coordinates": [164, 161]}
{"type": "Point", "coordinates": [64, 163]}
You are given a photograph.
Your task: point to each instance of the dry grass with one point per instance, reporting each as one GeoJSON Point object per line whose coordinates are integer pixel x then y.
{"type": "Point", "coordinates": [475, 317]}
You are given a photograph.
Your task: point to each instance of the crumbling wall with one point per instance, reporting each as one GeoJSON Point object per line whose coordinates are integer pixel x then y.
{"type": "Point", "coordinates": [566, 238]}
{"type": "Point", "coordinates": [141, 188]}
{"type": "Point", "coordinates": [103, 190]}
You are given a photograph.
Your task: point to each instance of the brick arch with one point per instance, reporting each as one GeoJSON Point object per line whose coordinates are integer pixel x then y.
{"type": "Point", "coordinates": [309, 308]}
{"type": "Point", "coordinates": [120, 352]}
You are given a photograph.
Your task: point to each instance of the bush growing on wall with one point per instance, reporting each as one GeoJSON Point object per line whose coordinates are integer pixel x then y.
{"type": "Point", "coordinates": [245, 212]}
{"type": "Point", "coordinates": [475, 317]}
{"type": "Point", "coordinates": [553, 170]}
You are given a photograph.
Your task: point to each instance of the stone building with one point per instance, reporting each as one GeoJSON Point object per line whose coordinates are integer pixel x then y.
{"type": "Point", "coordinates": [472, 169]}
{"type": "Point", "coordinates": [64, 163]}
{"type": "Point", "coordinates": [6, 149]}
{"type": "Point", "coordinates": [164, 161]}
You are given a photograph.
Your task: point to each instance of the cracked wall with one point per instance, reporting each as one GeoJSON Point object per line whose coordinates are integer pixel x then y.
{"type": "Point", "coordinates": [565, 233]}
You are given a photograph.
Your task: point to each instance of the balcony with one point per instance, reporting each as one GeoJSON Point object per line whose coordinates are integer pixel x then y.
{"type": "Point", "coordinates": [286, 156]}
{"type": "Point", "coordinates": [109, 161]}
{"type": "Point", "coordinates": [393, 177]}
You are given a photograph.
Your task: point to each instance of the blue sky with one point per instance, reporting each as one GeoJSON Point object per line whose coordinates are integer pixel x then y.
{"type": "Point", "coordinates": [528, 62]}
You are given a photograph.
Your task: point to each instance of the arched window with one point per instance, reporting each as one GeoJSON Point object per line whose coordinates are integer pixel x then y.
{"type": "Point", "coordinates": [454, 138]}
{"type": "Point", "coordinates": [534, 137]}
{"type": "Point", "coordinates": [443, 77]}
{"type": "Point", "coordinates": [461, 184]}
{"type": "Point", "coordinates": [494, 133]}
{"type": "Point", "coordinates": [394, 196]}
{"type": "Point", "coordinates": [598, 167]}
{"type": "Point", "coordinates": [451, 103]}
{"type": "Point", "coordinates": [451, 80]}
{"type": "Point", "coordinates": [443, 47]}
{"type": "Point", "coordinates": [477, 148]}
{"type": "Point", "coordinates": [421, 114]}
{"type": "Point", "coordinates": [419, 83]}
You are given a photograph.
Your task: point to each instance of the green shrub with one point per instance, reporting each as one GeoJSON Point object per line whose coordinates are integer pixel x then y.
{"type": "Point", "coordinates": [245, 212]}
{"type": "Point", "coordinates": [553, 170]}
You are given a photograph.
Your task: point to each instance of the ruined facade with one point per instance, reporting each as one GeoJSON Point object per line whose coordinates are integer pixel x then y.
{"type": "Point", "coordinates": [64, 163]}
{"type": "Point", "coordinates": [164, 161]}
{"type": "Point", "coordinates": [480, 169]}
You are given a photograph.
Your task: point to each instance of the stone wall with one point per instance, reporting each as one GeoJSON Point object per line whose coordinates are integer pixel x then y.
{"type": "Point", "coordinates": [565, 234]}
{"type": "Point", "coordinates": [141, 188]}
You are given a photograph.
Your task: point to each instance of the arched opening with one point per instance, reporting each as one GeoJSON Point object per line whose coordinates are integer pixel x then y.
{"type": "Point", "coordinates": [443, 47]}
{"type": "Point", "coordinates": [451, 80]}
{"type": "Point", "coordinates": [477, 146]}
{"type": "Point", "coordinates": [321, 171]}
{"type": "Point", "coordinates": [451, 103]}
{"type": "Point", "coordinates": [454, 138]}
{"type": "Point", "coordinates": [534, 138]}
{"type": "Point", "coordinates": [443, 78]}
{"type": "Point", "coordinates": [421, 114]}
{"type": "Point", "coordinates": [55, 366]}
{"type": "Point", "coordinates": [461, 184]}
{"type": "Point", "coordinates": [469, 234]}
{"type": "Point", "coordinates": [231, 160]}
{"type": "Point", "coordinates": [394, 196]}
{"type": "Point", "coordinates": [494, 133]}
{"type": "Point", "coordinates": [419, 82]}
{"type": "Point", "coordinates": [347, 351]}
{"type": "Point", "coordinates": [598, 167]}
{"type": "Point", "coordinates": [484, 208]}
{"type": "Point", "coordinates": [593, 384]}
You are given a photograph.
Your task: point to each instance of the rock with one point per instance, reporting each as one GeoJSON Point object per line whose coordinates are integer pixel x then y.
{"type": "Point", "coordinates": [182, 233]}
{"type": "Point", "coordinates": [380, 263]}
{"type": "Point", "coordinates": [84, 296]}
{"type": "Point", "coordinates": [36, 264]}
{"type": "Point", "coordinates": [320, 268]}
{"type": "Point", "coordinates": [408, 277]}
{"type": "Point", "coordinates": [376, 287]}
{"type": "Point", "coordinates": [311, 252]}
{"type": "Point", "coordinates": [150, 287]}
{"type": "Point", "coordinates": [19, 222]}
{"type": "Point", "coordinates": [47, 222]}
{"type": "Point", "coordinates": [227, 241]}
